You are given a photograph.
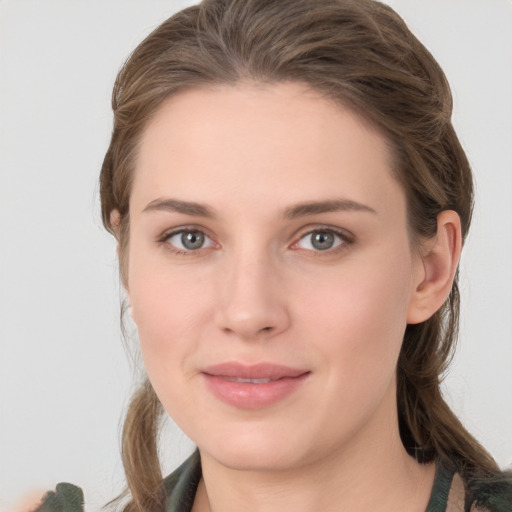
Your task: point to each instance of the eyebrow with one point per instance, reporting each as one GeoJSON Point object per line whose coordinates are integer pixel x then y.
{"type": "Point", "coordinates": [292, 212]}
{"type": "Point", "coordinates": [333, 205]}
{"type": "Point", "coordinates": [175, 205]}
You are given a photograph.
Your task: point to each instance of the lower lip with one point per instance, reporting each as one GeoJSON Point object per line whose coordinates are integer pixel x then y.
{"type": "Point", "coordinates": [246, 395]}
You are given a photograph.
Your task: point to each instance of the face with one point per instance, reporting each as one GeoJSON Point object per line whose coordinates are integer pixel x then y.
{"type": "Point", "coordinates": [270, 273]}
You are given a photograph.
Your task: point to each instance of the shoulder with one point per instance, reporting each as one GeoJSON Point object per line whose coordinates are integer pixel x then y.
{"type": "Point", "coordinates": [492, 494]}
{"type": "Point", "coordinates": [65, 498]}
{"type": "Point", "coordinates": [453, 493]}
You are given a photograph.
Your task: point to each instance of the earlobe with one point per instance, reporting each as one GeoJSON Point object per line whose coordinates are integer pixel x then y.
{"type": "Point", "coordinates": [115, 222]}
{"type": "Point", "coordinates": [440, 259]}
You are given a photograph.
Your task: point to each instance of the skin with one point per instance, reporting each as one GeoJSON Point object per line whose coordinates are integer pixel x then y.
{"type": "Point", "coordinates": [259, 291]}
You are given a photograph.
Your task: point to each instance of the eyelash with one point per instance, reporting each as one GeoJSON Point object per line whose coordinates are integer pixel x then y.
{"type": "Point", "coordinates": [164, 239]}
{"type": "Point", "coordinates": [345, 240]}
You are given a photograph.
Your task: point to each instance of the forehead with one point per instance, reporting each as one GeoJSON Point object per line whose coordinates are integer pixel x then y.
{"type": "Point", "coordinates": [280, 143]}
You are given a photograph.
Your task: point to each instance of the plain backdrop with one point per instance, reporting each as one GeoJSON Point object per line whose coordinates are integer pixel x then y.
{"type": "Point", "coordinates": [64, 376]}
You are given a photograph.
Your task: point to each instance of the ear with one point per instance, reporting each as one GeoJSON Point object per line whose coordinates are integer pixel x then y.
{"type": "Point", "coordinates": [115, 222]}
{"type": "Point", "coordinates": [436, 271]}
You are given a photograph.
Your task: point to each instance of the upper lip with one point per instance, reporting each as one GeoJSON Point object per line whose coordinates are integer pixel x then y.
{"type": "Point", "coordinates": [253, 371]}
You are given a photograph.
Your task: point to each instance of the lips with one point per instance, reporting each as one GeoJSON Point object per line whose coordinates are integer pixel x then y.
{"type": "Point", "coordinates": [253, 386]}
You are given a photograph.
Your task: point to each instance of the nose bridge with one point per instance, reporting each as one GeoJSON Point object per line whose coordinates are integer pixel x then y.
{"type": "Point", "coordinates": [251, 303]}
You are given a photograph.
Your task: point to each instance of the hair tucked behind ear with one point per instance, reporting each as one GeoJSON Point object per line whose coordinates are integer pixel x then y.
{"type": "Point", "coordinates": [361, 54]}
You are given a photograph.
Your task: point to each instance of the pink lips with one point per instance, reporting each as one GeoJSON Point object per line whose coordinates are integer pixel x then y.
{"type": "Point", "coordinates": [252, 386]}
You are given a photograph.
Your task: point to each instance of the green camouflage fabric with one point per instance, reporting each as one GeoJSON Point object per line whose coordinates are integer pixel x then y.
{"type": "Point", "coordinates": [449, 493]}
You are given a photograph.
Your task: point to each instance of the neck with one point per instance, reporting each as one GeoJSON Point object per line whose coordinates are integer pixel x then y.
{"type": "Point", "coordinates": [371, 472]}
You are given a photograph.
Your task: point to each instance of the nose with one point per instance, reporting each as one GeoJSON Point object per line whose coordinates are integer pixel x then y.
{"type": "Point", "coordinates": [252, 303]}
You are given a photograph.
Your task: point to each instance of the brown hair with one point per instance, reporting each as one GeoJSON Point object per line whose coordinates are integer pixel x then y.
{"type": "Point", "coordinates": [359, 53]}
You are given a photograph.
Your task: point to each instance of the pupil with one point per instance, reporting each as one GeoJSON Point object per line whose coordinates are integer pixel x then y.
{"type": "Point", "coordinates": [322, 240]}
{"type": "Point", "coordinates": [192, 239]}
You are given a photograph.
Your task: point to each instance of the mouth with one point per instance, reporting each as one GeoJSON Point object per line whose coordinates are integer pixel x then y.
{"type": "Point", "coordinates": [253, 386]}
{"type": "Point", "coordinates": [248, 381]}
{"type": "Point", "coordinates": [264, 372]}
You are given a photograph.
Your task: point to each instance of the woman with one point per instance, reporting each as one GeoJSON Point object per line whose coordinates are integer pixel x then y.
{"type": "Point", "coordinates": [290, 201]}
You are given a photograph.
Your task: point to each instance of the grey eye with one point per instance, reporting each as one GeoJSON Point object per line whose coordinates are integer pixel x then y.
{"type": "Point", "coordinates": [190, 240]}
{"type": "Point", "coordinates": [320, 240]}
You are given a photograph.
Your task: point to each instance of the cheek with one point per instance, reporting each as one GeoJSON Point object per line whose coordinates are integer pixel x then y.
{"type": "Point", "coordinates": [169, 320]}
{"type": "Point", "coordinates": [359, 317]}
{"type": "Point", "coordinates": [169, 309]}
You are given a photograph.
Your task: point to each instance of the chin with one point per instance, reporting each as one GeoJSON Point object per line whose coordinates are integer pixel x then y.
{"type": "Point", "coordinates": [254, 459]}
{"type": "Point", "coordinates": [258, 451]}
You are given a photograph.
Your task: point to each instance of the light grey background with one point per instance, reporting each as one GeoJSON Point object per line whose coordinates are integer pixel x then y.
{"type": "Point", "coordinates": [64, 377]}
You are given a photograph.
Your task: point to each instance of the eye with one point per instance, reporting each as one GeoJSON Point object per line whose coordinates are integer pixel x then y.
{"type": "Point", "coordinates": [189, 240]}
{"type": "Point", "coordinates": [320, 240]}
